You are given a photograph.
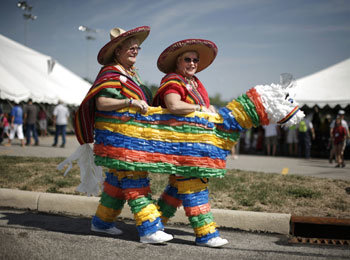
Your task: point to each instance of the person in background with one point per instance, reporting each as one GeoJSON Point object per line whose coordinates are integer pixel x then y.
{"type": "Point", "coordinates": [339, 134]}
{"type": "Point", "coordinates": [60, 120]}
{"type": "Point", "coordinates": [30, 116]}
{"type": "Point", "coordinates": [292, 140]}
{"type": "Point", "coordinates": [306, 134]}
{"type": "Point", "coordinates": [42, 122]}
{"type": "Point", "coordinates": [341, 114]}
{"type": "Point", "coordinates": [16, 125]}
{"type": "Point", "coordinates": [271, 139]}
{"type": "Point", "coordinates": [181, 92]}
{"type": "Point", "coordinates": [4, 126]}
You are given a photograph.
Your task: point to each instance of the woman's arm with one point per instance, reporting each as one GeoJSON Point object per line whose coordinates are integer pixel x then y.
{"type": "Point", "coordinates": [176, 106]}
{"type": "Point", "coordinates": [111, 104]}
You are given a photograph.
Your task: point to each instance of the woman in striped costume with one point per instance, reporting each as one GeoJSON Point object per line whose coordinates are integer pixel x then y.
{"type": "Point", "coordinates": [118, 86]}
{"type": "Point", "coordinates": [182, 93]}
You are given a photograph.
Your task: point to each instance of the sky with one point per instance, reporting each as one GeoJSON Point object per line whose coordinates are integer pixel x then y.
{"type": "Point", "coordinates": [257, 40]}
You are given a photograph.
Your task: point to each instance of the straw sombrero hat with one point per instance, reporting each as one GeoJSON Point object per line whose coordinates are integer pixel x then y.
{"type": "Point", "coordinates": [207, 51]}
{"type": "Point", "coordinates": [118, 35]}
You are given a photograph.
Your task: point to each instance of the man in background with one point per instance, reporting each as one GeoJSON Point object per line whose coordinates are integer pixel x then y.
{"type": "Point", "coordinates": [30, 118]}
{"type": "Point", "coordinates": [60, 119]}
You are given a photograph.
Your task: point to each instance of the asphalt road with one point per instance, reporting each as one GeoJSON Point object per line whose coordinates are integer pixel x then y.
{"type": "Point", "coordinates": [287, 165]}
{"type": "Point", "coordinates": [30, 235]}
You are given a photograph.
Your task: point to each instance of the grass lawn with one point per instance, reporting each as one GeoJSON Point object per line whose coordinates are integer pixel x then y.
{"type": "Point", "coordinates": [238, 190]}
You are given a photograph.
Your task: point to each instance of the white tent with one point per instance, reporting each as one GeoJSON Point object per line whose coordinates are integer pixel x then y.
{"type": "Point", "coordinates": [330, 86]}
{"type": "Point", "coordinates": [26, 73]}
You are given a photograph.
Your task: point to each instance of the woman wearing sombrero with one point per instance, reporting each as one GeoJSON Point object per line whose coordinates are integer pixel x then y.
{"type": "Point", "coordinates": [181, 93]}
{"type": "Point", "coordinates": [116, 87]}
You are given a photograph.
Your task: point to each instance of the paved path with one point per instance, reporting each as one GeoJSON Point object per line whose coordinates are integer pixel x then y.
{"type": "Point", "coordinates": [314, 167]}
{"type": "Point", "coordinates": [29, 235]}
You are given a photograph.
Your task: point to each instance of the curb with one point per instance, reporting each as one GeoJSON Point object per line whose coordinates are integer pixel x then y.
{"type": "Point", "coordinates": [75, 205]}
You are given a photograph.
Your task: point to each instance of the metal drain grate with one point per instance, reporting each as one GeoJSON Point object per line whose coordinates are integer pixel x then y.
{"type": "Point", "coordinates": [319, 241]}
{"type": "Point", "coordinates": [321, 231]}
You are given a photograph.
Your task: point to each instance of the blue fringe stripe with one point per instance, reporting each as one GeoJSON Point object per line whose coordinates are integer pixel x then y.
{"type": "Point", "coordinates": [206, 238]}
{"type": "Point", "coordinates": [195, 199]}
{"type": "Point", "coordinates": [106, 137]}
{"type": "Point", "coordinates": [99, 223]}
{"type": "Point", "coordinates": [126, 183]}
{"type": "Point", "coordinates": [147, 227]}
{"type": "Point", "coordinates": [160, 117]}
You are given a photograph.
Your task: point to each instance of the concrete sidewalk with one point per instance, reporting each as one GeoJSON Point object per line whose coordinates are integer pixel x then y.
{"type": "Point", "coordinates": [74, 205]}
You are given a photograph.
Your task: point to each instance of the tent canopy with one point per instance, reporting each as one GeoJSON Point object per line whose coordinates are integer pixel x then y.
{"type": "Point", "coordinates": [28, 74]}
{"type": "Point", "coordinates": [330, 86]}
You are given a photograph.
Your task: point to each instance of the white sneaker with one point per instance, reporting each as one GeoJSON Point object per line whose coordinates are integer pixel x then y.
{"type": "Point", "coordinates": [214, 242]}
{"type": "Point", "coordinates": [111, 231]}
{"type": "Point", "coordinates": [156, 238]}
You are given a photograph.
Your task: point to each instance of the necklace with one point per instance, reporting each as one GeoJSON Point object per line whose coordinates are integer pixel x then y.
{"type": "Point", "coordinates": [191, 84]}
{"type": "Point", "coordinates": [131, 73]}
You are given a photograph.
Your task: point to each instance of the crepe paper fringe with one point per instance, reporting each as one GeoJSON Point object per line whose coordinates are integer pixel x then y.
{"type": "Point", "coordinates": [195, 199]}
{"type": "Point", "coordinates": [249, 108]}
{"type": "Point", "coordinates": [150, 213]}
{"type": "Point", "coordinates": [148, 157]}
{"type": "Point", "coordinates": [197, 210]}
{"type": "Point", "coordinates": [164, 168]}
{"type": "Point", "coordinates": [206, 229]}
{"type": "Point", "coordinates": [188, 186]}
{"type": "Point", "coordinates": [256, 99]}
{"type": "Point", "coordinates": [138, 204]}
{"type": "Point", "coordinates": [107, 214]}
{"type": "Point", "coordinates": [148, 227]}
{"type": "Point", "coordinates": [110, 202]}
{"type": "Point", "coordinates": [113, 191]}
{"type": "Point", "coordinates": [174, 202]}
{"type": "Point", "coordinates": [195, 149]}
{"type": "Point", "coordinates": [201, 220]}
{"type": "Point", "coordinates": [273, 99]}
{"type": "Point", "coordinates": [198, 134]}
{"type": "Point", "coordinates": [206, 238]}
{"type": "Point", "coordinates": [97, 222]}
{"type": "Point", "coordinates": [167, 211]}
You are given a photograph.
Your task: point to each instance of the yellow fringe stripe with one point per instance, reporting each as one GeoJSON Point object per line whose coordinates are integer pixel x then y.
{"type": "Point", "coordinates": [134, 175]}
{"type": "Point", "coordinates": [211, 117]}
{"type": "Point", "coordinates": [206, 229]}
{"type": "Point", "coordinates": [191, 186]}
{"type": "Point", "coordinates": [149, 212]}
{"type": "Point", "coordinates": [241, 116]}
{"type": "Point", "coordinates": [107, 214]}
{"type": "Point", "coordinates": [164, 135]}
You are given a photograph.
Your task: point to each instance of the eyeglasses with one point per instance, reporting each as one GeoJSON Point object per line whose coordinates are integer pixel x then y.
{"type": "Point", "coordinates": [134, 49]}
{"type": "Point", "coordinates": [189, 60]}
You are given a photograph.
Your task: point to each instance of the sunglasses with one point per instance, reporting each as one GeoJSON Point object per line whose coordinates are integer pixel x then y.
{"type": "Point", "coordinates": [134, 49]}
{"type": "Point", "coordinates": [189, 60]}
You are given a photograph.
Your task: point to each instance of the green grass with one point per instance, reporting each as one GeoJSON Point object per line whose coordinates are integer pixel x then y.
{"type": "Point", "coordinates": [238, 190]}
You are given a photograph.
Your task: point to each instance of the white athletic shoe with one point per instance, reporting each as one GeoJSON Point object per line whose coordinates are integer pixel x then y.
{"type": "Point", "coordinates": [156, 238]}
{"type": "Point", "coordinates": [214, 242]}
{"type": "Point", "coordinates": [111, 231]}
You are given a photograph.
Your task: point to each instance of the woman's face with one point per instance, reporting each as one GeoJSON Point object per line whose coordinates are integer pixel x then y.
{"type": "Point", "coordinates": [127, 53]}
{"type": "Point", "coordinates": [187, 64]}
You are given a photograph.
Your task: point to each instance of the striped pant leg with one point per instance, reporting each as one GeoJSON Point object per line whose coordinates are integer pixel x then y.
{"type": "Point", "coordinates": [194, 194]}
{"type": "Point", "coordinates": [136, 190]}
{"type": "Point", "coordinates": [169, 200]}
{"type": "Point", "coordinates": [111, 203]}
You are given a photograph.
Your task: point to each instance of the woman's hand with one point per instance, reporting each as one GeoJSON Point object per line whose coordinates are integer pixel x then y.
{"type": "Point", "coordinates": [210, 109]}
{"type": "Point", "coordinates": [141, 104]}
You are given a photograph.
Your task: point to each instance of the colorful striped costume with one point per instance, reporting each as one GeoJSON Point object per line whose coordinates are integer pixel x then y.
{"type": "Point", "coordinates": [189, 148]}
{"type": "Point", "coordinates": [120, 185]}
